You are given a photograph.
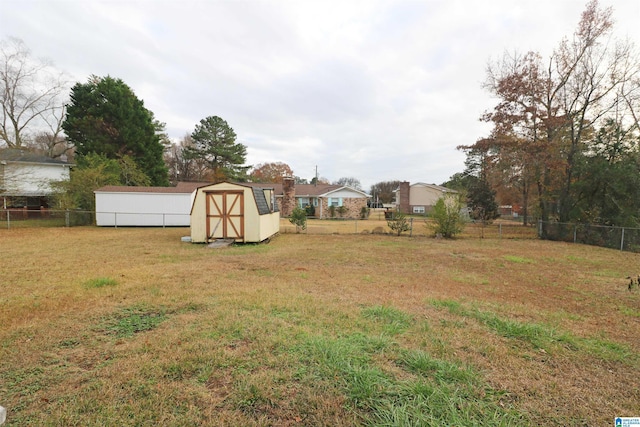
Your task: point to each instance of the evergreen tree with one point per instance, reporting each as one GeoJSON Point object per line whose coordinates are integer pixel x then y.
{"type": "Point", "coordinates": [481, 198]}
{"type": "Point", "coordinates": [105, 117]}
{"type": "Point", "coordinates": [214, 142]}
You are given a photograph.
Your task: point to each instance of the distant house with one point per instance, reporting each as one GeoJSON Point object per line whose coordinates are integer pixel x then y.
{"type": "Point", "coordinates": [418, 198]}
{"type": "Point", "coordinates": [26, 178]}
{"type": "Point", "coordinates": [320, 197]}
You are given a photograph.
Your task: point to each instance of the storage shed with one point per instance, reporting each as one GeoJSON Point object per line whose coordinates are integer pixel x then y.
{"type": "Point", "coordinates": [145, 206]}
{"type": "Point", "coordinates": [234, 211]}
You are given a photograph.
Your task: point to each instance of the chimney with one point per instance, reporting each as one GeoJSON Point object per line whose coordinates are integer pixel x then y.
{"type": "Point", "coordinates": [288, 196]}
{"type": "Point", "coordinates": [404, 197]}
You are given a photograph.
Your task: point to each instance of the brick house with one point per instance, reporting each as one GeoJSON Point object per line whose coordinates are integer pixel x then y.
{"type": "Point", "coordinates": [321, 197]}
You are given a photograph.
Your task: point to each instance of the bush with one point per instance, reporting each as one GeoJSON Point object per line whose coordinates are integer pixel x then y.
{"type": "Point", "coordinates": [299, 219]}
{"type": "Point", "coordinates": [398, 223]}
{"type": "Point", "coordinates": [447, 217]}
{"type": "Point", "coordinates": [310, 210]}
{"type": "Point", "coordinates": [364, 212]}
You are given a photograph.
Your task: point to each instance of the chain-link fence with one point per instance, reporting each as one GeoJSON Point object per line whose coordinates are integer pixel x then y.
{"type": "Point", "coordinates": [622, 238]}
{"type": "Point", "coordinates": [418, 226]}
{"type": "Point", "coordinates": [375, 224]}
{"type": "Point", "coordinates": [27, 218]}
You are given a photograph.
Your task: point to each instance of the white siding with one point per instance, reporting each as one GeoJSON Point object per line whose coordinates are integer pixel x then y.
{"type": "Point", "coordinates": [143, 209]}
{"type": "Point", "coordinates": [30, 179]}
{"type": "Point", "coordinates": [345, 193]}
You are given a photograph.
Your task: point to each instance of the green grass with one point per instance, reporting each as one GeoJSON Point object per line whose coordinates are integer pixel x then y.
{"type": "Point", "coordinates": [100, 282]}
{"type": "Point", "coordinates": [541, 336]}
{"type": "Point", "coordinates": [131, 320]}
{"type": "Point", "coordinates": [518, 259]}
{"type": "Point", "coordinates": [429, 391]}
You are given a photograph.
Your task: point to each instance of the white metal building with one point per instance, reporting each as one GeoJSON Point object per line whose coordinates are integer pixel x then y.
{"type": "Point", "coordinates": [145, 206]}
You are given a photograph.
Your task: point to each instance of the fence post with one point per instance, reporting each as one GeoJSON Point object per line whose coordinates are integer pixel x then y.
{"type": "Point", "coordinates": [8, 220]}
{"type": "Point", "coordinates": [500, 230]}
{"type": "Point", "coordinates": [115, 220]}
{"type": "Point", "coordinates": [575, 233]}
{"type": "Point", "coordinates": [622, 240]}
{"type": "Point", "coordinates": [410, 227]}
{"type": "Point", "coordinates": [66, 218]}
{"type": "Point", "coordinates": [539, 228]}
{"type": "Point", "coordinates": [163, 220]}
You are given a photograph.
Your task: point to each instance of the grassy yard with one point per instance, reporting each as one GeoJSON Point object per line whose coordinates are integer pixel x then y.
{"type": "Point", "coordinates": [134, 327]}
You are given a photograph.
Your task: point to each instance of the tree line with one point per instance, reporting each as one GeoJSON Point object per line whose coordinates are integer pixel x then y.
{"type": "Point", "coordinates": [106, 130]}
{"type": "Point", "coordinates": [565, 139]}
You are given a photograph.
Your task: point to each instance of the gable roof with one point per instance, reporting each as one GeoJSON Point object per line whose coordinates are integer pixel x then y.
{"type": "Point", "coordinates": [435, 187]}
{"type": "Point", "coordinates": [25, 156]}
{"type": "Point", "coordinates": [306, 190]}
{"type": "Point", "coordinates": [302, 190]}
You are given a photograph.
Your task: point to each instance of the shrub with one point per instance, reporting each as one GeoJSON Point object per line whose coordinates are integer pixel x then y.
{"type": "Point", "coordinates": [310, 210]}
{"type": "Point", "coordinates": [299, 219]}
{"type": "Point", "coordinates": [398, 223]}
{"type": "Point", "coordinates": [447, 217]}
{"type": "Point", "coordinates": [364, 212]}
{"type": "Point", "coordinates": [342, 210]}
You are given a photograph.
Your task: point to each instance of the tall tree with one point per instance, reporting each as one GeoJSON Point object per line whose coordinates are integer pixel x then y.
{"type": "Point", "coordinates": [608, 178]}
{"type": "Point", "coordinates": [214, 142]}
{"type": "Point", "coordinates": [270, 172]}
{"type": "Point", "coordinates": [548, 110]}
{"type": "Point", "coordinates": [106, 117]}
{"type": "Point", "coordinates": [31, 94]}
{"type": "Point", "coordinates": [181, 166]}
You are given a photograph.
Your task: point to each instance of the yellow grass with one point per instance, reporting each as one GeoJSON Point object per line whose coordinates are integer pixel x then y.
{"type": "Point", "coordinates": [229, 345]}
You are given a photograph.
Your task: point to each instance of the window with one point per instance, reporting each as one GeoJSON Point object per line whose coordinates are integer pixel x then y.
{"type": "Point", "coordinates": [335, 201]}
{"type": "Point", "coordinates": [418, 209]}
{"type": "Point", "coordinates": [303, 201]}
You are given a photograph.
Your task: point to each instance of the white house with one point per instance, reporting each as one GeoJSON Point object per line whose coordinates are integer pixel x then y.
{"type": "Point", "coordinates": [25, 178]}
{"type": "Point", "coordinates": [145, 206]}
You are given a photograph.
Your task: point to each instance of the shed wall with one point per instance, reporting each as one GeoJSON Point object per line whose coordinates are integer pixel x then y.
{"type": "Point", "coordinates": [143, 209]}
{"type": "Point", "coordinates": [256, 227]}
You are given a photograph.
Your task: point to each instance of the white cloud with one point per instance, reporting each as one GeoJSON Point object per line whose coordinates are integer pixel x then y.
{"type": "Point", "coordinates": [378, 90]}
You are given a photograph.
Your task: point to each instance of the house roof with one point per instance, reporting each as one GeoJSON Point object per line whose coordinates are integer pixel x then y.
{"type": "Point", "coordinates": [25, 156]}
{"type": "Point", "coordinates": [181, 187]}
{"type": "Point", "coordinates": [435, 187]}
{"type": "Point", "coordinates": [302, 190]}
{"type": "Point", "coordinates": [306, 190]}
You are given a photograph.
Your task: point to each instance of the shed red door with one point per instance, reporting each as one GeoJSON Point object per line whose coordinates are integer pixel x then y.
{"type": "Point", "coordinates": [225, 215]}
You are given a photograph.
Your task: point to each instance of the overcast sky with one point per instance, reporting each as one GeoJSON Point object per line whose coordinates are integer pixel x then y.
{"type": "Point", "coordinates": [376, 90]}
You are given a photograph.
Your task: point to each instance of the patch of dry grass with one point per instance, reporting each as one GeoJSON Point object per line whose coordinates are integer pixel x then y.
{"type": "Point", "coordinates": [134, 326]}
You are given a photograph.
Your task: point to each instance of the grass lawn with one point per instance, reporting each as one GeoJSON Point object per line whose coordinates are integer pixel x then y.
{"type": "Point", "coordinates": [134, 327]}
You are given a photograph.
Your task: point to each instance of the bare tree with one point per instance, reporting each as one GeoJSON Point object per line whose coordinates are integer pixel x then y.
{"type": "Point", "coordinates": [349, 181]}
{"type": "Point", "coordinates": [30, 95]}
{"type": "Point", "coordinates": [184, 168]}
{"type": "Point", "coordinates": [548, 110]}
{"type": "Point", "coordinates": [52, 141]}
